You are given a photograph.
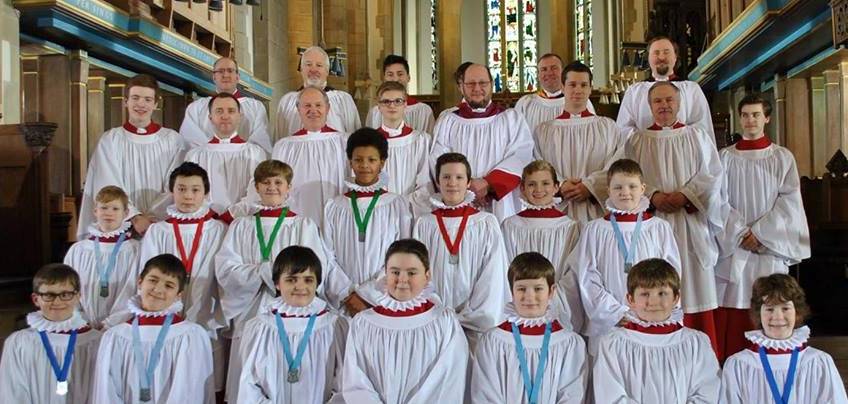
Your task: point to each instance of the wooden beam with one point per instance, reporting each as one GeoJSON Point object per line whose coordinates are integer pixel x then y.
{"type": "Point", "coordinates": [449, 34]}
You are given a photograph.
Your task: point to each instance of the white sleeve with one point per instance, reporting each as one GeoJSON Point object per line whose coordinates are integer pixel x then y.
{"type": "Point", "coordinates": [13, 384]}
{"type": "Point", "coordinates": [489, 291]}
{"type": "Point", "coordinates": [106, 389]}
{"type": "Point", "coordinates": [628, 112]}
{"type": "Point", "coordinates": [356, 386]}
{"type": "Point", "coordinates": [259, 130]}
{"type": "Point", "coordinates": [253, 382]}
{"type": "Point", "coordinates": [238, 281]}
{"type": "Point", "coordinates": [191, 130]}
{"type": "Point", "coordinates": [608, 378]}
{"type": "Point", "coordinates": [445, 381]}
{"type": "Point", "coordinates": [705, 384]}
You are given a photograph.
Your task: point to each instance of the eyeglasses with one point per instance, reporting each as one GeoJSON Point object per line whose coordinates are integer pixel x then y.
{"type": "Point", "coordinates": [222, 71]}
{"type": "Point", "coordinates": [477, 84]}
{"type": "Point", "coordinates": [63, 296]}
{"type": "Point", "coordinates": [397, 102]}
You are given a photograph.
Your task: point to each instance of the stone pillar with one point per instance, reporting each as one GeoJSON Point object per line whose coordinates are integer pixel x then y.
{"type": "Point", "coordinates": [79, 118]}
{"type": "Point", "coordinates": [117, 111]}
{"type": "Point", "coordinates": [448, 51]}
{"type": "Point", "coordinates": [54, 78]}
{"type": "Point", "coordinates": [843, 70]}
{"type": "Point", "coordinates": [10, 64]}
{"type": "Point", "coordinates": [562, 16]}
{"type": "Point", "coordinates": [818, 126]}
{"type": "Point", "coordinates": [778, 120]}
{"type": "Point", "coordinates": [798, 139]}
{"type": "Point", "coordinates": [833, 118]}
{"type": "Point", "coordinates": [96, 111]}
{"type": "Point", "coordinates": [242, 38]}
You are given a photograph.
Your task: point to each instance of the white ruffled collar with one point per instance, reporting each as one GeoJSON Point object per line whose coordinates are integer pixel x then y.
{"type": "Point", "coordinates": [676, 317]}
{"type": "Point", "coordinates": [525, 204]}
{"type": "Point", "coordinates": [94, 231]}
{"type": "Point", "coordinates": [798, 339]}
{"type": "Point", "coordinates": [513, 317]}
{"type": "Point", "coordinates": [38, 322]}
{"type": "Point", "coordinates": [436, 201]}
{"type": "Point", "coordinates": [394, 132]}
{"type": "Point", "coordinates": [316, 306]}
{"type": "Point", "coordinates": [261, 207]}
{"type": "Point", "coordinates": [176, 214]}
{"type": "Point", "coordinates": [134, 307]}
{"type": "Point", "coordinates": [644, 203]}
{"type": "Point", "coordinates": [353, 186]}
{"type": "Point", "coordinates": [386, 300]}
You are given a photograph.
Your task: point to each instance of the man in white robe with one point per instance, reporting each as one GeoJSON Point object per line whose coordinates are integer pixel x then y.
{"type": "Point", "coordinates": [496, 140]}
{"type": "Point", "coordinates": [548, 102]}
{"type": "Point", "coordinates": [635, 114]}
{"type": "Point", "coordinates": [136, 157]}
{"type": "Point", "coordinates": [417, 115]}
{"type": "Point", "coordinates": [314, 68]}
{"type": "Point", "coordinates": [196, 128]}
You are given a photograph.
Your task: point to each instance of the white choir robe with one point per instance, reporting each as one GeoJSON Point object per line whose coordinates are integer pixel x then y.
{"type": "Point", "coordinates": [684, 160]}
{"type": "Point", "coordinates": [230, 168]}
{"type": "Point", "coordinates": [581, 147]}
{"type": "Point", "coordinates": [362, 262]}
{"type": "Point", "coordinates": [497, 376]}
{"type": "Point", "coordinates": [497, 147]}
{"type": "Point", "coordinates": [554, 235]}
{"type": "Point", "coordinates": [138, 163]}
{"type": "Point", "coordinates": [320, 165]}
{"type": "Point", "coordinates": [476, 288]}
{"type": "Point", "coordinates": [82, 258]}
{"type": "Point", "coordinates": [635, 111]}
{"type": "Point", "coordinates": [263, 380]}
{"type": "Point", "coordinates": [26, 375]}
{"type": "Point", "coordinates": [637, 367]}
{"type": "Point", "coordinates": [343, 114]}
{"type": "Point", "coordinates": [183, 374]}
{"type": "Point", "coordinates": [417, 114]}
{"type": "Point", "coordinates": [764, 192]}
{"type": "Point", "coordinates": [537, 109]}
{"type": "Point", "coordinates": [197, 128]}
{"type": "Point", "coordinates": [407, 166]}
{"type": "Point", "coordinates": [416, 359]}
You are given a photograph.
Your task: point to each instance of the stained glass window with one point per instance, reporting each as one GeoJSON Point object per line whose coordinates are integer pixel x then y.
{"type": "Point", "coordinates": [512, 44]}
{"type": "Point", "coordinates": [583, 31]}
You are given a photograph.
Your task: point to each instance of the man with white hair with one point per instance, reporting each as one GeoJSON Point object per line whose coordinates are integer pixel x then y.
{"type": "Point", "coordinates": [314, 68]}
{"type": "Point", "coordinates": [547, 103]}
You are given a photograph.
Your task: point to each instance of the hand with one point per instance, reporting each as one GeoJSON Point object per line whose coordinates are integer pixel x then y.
{"type": "Point", "coordinates": [480, 188]}
{"type": "Point", "coordinates": [573, 190]}
{"type": "Point", "coordinates": [678, 200]}
{"type": "Point", "coordinates": [661, 202]}
{"type": "Point", "coordinates": [622, 322]}
{"type": "Point", "coordinates": [354, 304]}
{"type": "Point", "coordinates": [140, 223]}
{"type": "Point", "coordinates": [750, 242]}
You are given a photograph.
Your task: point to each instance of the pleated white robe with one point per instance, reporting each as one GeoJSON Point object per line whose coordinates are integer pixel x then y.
{"type": "Point", "coordinates": [537, 109]}
{"type": "Point", "coordinates": [584, 148]}
{"type": "Point", "coordinates": [197, 129]}
{"type": "Point", "coordinates": [684, 160]}
{"type": "Point", "coordinates": [230, 168]}
{"type": "Point", "coordinates": [362, 262]}
{"type": "Point", "coordinates": [635, 111]}
{"type": "Point", "coordinates": [764, 192]}
{"type": "Point", "coordinates": [343, 114]}
{"type": "Point", "coordinates": [636, 367]}
{"type": "Point", "coordinates": [139, 164]}
{"type": "Point", "coordinates": [418, 115]}
{"type": "Point", "coordinates": [407, 166]}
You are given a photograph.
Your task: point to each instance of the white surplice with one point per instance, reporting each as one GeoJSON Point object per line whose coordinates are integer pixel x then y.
{"type": "Point", "coordinates": [407, 165]}
{"type": "Point", "coordinates": [538, 109]}
{"type": "Point", "coordinates": [343, 114]}
{"type": "Point", "coordinates": [635, 111]}
{"type": "Point", "coordinates": [197, 128]}
{"type": "Point", "coordinates": [417, 114]}
{"type": "Point", "coordinates": [230, 168]}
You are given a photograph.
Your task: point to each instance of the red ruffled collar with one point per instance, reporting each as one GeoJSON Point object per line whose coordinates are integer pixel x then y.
{"type": "Point", "coordinates": [274, 213]}
{"type": "Point", "coordinates": [757, 144]}
{"type": "Point", "coordinates": [325, 129]}
{"type": "Point", "coordinates": [464, 110]}
{"type": "Point", "coordinates": [150, 129]}
{"type": "Point", "coordinates": [655, 330]}
{"type": "Point", "coordinates": [155, 320]}
{"type": "Point", "coordinates": [541, 213]}
{"type": "Point", "coordinates": [81, 330]}
{"type": "Point", "coordinates": [531, 330]}
{"type": "Point", "coordinates": [404, 313]}
{"type": "Point", "coordinates": [656, 126]}
{"type": "Point", "coordinates": [583, 114]}
{"type": "Point", "coordinates": [627, 217]}
{"type": "Point", "coordinates": [456, 212]}
{"type": "Point", "coordinates": [775, 351]}
{"type": "Point", "coordinates": [209, 216]}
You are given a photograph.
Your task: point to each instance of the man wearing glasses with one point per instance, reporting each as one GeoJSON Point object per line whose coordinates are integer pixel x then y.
{"type": "Point", "coordinates": [197, 129]}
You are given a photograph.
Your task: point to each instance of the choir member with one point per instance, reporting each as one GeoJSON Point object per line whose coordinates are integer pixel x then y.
{"type": "Point", "coordinates": [547, 103]}
{"type": "Point", "coordinates": [417, 115]}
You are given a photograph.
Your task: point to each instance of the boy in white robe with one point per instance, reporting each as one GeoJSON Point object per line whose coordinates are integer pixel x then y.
{"type": "Point", "coordinates": [243, 265]}
{"type": "Point", "coordinates": [778, 366]}
{"type": "Point", "coordinates": [108, 260]}
{"type": "Point", "coordinates": [653, 358]}
{"type": "Point", "coordinates": [683, 174]}
{"type": "Point", "coordinates": [360, 225]}
{"type": "Point", "coordinates": [466, 249]}
{"type": "Point", "coordinates": [418, 115]}
{"type": "Point", "coordinates": [136, 157]}
{"type": "Point", "coordinates": [530, 346]}
{"type": "Point", "coordinates": [580, 145]}
{"type": "Point", "coordinates": [314, 69]}
{"type": "Point", "coordinates": [316, 153]}
{"type": "Point", "coordinates": [498, 139]}
{"type": "Point", "coordinates": [543, 228]}
{"type": "Point", "coordinates": [547, 103]}
{"type": "Point", "coordinates": [409, 348]}
{"type": "Point", "coordinates": [196, 128]}
{"type": "Point", "coordinates": [277, 373]}
{"type": "Point", "coordinates": [52, 361]}
{"type": "Point", "coordinates": [155, 356]}
{"type": "Point", "coordinates": [227, 158]}
{"type": "Point", "coordinates": [767, 227]}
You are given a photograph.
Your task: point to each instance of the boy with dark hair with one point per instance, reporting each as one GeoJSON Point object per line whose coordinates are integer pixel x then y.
{"type": "Point", "coordinates": [417, 115]}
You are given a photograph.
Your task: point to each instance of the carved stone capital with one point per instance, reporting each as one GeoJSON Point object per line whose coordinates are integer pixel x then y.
{"type": "Point", "coordinates": [38, 135]}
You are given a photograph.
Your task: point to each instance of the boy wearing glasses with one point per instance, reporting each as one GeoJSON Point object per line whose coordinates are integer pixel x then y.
{"type": "Point", "coordinates": [417, 115]}
{"type": "Point", "coordinates": [52, 361]}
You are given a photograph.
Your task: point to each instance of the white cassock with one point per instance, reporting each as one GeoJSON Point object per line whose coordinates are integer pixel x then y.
{"type": "Point", "coordinates": [475, 287]}
{"type": "Point", "coordinates": [320, 166]}
{"type": "Point", "coordinates": [183, 374]}
{"type": "Point", "coordinates": [542, 106]}
{"type": "Point", "coordinates": [197, 128]}
{"type": "Point", "coordinates": [229, 164]}
{"type": "Point", "coordinates": [548, 231]}
{"type": "Point", "coordinates": [139, 160]}
{"type": "Point", "coordinates": [581, 147]}
{"type": "Point", "coordinates": [363, 261]}
{"type": "Point", "coordinates": [411, 352]}
{"type": "Point", "coordinates": [817, 380]}
{"type": "Point", "coordinates": [417, 115]}
{"type": "Point", "coordinates": [263, 379]}
{"type": "Point", "coordinates": [599, 265]}
{"type": "Point", "coordinates": [343, 114]}
{"type": "Point", "coordinates": [406, 167]}
{"type": "Point", "coordinates": [497, 375]}
{"type": "Point", "coordinates": [245, 279]}
{"type": "Point", "coordinates": [92, 262]}
{"type": "Point", "coordinates": [656, 363]}
{"type": "Point", "coordinates": [682, 159]}
{"type": "Point", "coordinates": [26, 375]}
{"type": "Point", "coordinates": [496, 142]}
{"type": "Point", "coordinates": [764, 192]}
{"type": "Point", "coordinates": [635, 111]}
